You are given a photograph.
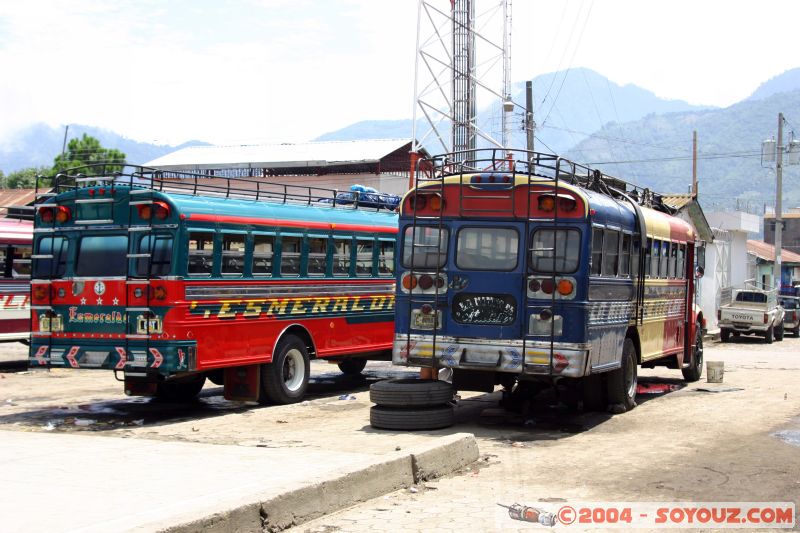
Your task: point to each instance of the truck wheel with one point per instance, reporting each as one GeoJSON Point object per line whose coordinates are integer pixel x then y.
{"type": "Point", "coordinates": [797, 331]}
{"type": "Point", "coordinates": [411, 393]}
{"type": "Point", "coordinates": [695, 369]}
{"type": "Point", "coordinates": [438, 417]}
{"type": "Point", "coordinates": [725, 335]}
{"type": "Point", "coordinates": [285, 379]}
{"type": "Point", "coordinates": [768, 336]}
{"type": "Point", "coordinates": [621, 383]}
{"type": "Point", "coordinates": [180, 390]}
{"type": "Point", "coordinates": [779, 332]}
{"type": "Point", "coordinates": [352, 366]}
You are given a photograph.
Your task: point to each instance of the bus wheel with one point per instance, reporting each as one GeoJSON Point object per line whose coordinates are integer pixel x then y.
{"type": "Point", "coordinates": [285, 379]}
{"type": "Point", "coordinates": [352, 366]}
{"type": "Point", "coordinates": [695, 369]}
{"type": "Point", "coordinates": [622, 382]}
{"type": "Point", "coordinates": [180, 390]}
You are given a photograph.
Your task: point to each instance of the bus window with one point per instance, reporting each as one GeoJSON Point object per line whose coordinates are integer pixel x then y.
{"type": "Point", "coordinates": [386, 258]}
{"type": "Point", "coordinates": [681, 272]}
{"type": "Point", "coordinates": [597, 251]}
{"type": "Point", "coordinates": [673, 258]}
{"type": "Point", "coordinates": [635, 252]}
{"type": "Point", "coordinates": [201, 253]}
{"type": "Point", "coordinates": [430, 250]}
{"type": "Point", "coordinates": [55, 267]}
{"type": "Point", "coordinates": [664, 270]}
{"type": "Point", "coordinates": [263, 248]}
{"type": "Point", "coordinates": [21, 261]}
{"type": "Point", "coordinates": [364, 257]}
{"type": "Point", "coordinates": [290, 255]}
{"type": "Point", "coordinates": [625, 256]}
{"type": "Point", "coordinates": [233, 254]}
{"type": "Point", "coordinates": [160, 261]}
{"type": "Point", "coordinates": [341, 257]}
{"type": "Point", "coordinates": [317, 256]}
{"type": "Point", "coordinates": [102, 255]}
{"type": "Point", "coordinates": [610, 253]}
{"type": "Point", "coordinates": [487, 248]}
{"type": "Point", "coordinates": [648, 258]}
{"type": "Point", "coordinates": [655, 257]}
{"type": "Point", "coordinates": [556, 250]}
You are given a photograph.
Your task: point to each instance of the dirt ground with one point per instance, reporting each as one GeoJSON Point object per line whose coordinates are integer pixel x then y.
{"type": "Point", "coordinates": [739, 442]}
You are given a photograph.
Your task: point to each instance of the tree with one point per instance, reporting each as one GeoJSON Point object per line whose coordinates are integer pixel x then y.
{"type": "Point", "coordinates": [25, 178]}
{"type": "Point", "coordinates": [87, 151]}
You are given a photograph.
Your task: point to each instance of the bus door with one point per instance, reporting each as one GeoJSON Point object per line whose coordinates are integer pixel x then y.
{"type": "Point", "coordinates": [486, 279]}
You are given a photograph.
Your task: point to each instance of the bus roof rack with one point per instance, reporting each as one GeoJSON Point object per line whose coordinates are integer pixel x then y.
{"type": "Point", "coordinates": [541, 165]}
{"type": "Point", "coordinates": [197, 184]}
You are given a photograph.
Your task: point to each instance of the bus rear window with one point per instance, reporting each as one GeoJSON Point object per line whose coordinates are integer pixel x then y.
{"type": "Point", "coordinates": [45, 267]}
{"type": "Point", "coordinates": [159, 262]}
{"type": "Point", "coordinates": [487, 248]}
{"type": "Point", "coordinates": [555, 250]}
{"type": "Point", "coordinates": [429, 250]}
{"type": "Point", "coordinates": [102, 255]}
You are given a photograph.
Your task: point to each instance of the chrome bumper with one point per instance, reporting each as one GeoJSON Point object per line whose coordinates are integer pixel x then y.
{"type": "Point", "coordinates": [569, 360]}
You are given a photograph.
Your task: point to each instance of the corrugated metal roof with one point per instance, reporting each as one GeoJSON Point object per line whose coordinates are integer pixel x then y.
{"type": "Point", "coordinates": [676, 201]}
{"type": "Point", "coordinates": [766, 251]}
{"type": "Point", "coordinates": [311, 154]}
{"type": "Point", "coordinates": [15, 197]}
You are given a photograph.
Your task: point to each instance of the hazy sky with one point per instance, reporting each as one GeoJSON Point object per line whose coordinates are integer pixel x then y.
{"type": "Point", "coordinates": [291, 70]}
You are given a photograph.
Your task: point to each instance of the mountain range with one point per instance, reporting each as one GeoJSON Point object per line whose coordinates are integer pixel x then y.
{"type": "Point", "coordinates": [626, 131]}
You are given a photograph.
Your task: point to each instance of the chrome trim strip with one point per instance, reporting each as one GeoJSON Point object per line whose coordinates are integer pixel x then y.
{"type": "Point", "coordinates": [226, 291]}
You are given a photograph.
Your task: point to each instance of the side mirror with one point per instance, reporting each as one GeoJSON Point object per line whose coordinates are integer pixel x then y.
{"type": "Point", "coordinates": [701, 256]}
{"type": "Point", "coordinates": [699, 271]}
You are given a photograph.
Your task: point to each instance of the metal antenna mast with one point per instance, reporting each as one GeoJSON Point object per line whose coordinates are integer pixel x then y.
{"type": "Point", "coordinates": [459, 66]}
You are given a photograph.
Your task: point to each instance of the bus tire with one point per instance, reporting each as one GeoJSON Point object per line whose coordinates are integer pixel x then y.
{"type": "Point", "coordinates": [769, 336]}
{"type": "Point", "coordinates": [180, 390]}
{"type": "Point", "coordinates": [411, 393]}
{"type": "Point", "coordinates": [285, 379]}
{"type": "Point", "coordinates": [594, 394]}
{"type": "Point", "coordinates": [437, 417]}
{"type": "Point", "coordinates": [621, 383]}
{"type": "Point", "coordinates": [724, 335]}
{"type": "Point", "coordinates": [779, 332]}
{"type": "Point", "coordinates": [352, 366]}
{"type": "Point", "coordinates": [695, 369]}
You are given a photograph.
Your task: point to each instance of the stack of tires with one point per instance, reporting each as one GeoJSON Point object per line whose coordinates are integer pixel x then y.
{"type": "Point", "coordinates": [411, 404]}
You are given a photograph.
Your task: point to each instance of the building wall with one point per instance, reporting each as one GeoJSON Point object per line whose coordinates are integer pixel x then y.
{"type": "Point", "coordinates": [790, 236]}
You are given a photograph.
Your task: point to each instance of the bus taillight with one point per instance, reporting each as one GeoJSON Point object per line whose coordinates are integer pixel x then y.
{"type": "Point", "coordinates": [58, 213]}
{"type": "Point", "coordinates": [565, 287]}
{"type": "Point", "coordinates": [158, 209]}
{"type": "Point", "coordinates": [409, 282]}
{"type": "Point", "coordinates": [559, 363]}
{"type": "Point", "coordinates": [547, 286]}
{"type": "Point", "coordinates": [425, 282]}
{"type": "Point", "coordinates": [547, 203]}
{"type": "Point", "coordinates": [40, 293]}
{"type": "Point", "coordinates": [160, 292]}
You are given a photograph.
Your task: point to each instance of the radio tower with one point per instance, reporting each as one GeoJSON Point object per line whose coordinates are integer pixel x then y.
{"type": "Point", "coordinates": [462, 60]}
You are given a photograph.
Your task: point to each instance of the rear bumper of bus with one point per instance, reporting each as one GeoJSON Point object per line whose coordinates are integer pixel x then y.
{"type": "Point", "coordinates": [568, 360]}
{"type": "Point", "coordinates": [152, 358]}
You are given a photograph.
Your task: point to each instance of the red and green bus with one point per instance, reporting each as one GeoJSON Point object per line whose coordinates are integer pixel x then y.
{"type": "Point", "coordinates": [171, 278]}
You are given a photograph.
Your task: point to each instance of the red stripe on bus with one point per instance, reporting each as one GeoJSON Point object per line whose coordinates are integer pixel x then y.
{"type": "Point", "coordinates": [198, 217]}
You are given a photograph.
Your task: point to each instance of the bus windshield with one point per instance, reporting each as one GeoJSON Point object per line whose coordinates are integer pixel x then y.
{"type": "Point", "coordinates": [102, 255]}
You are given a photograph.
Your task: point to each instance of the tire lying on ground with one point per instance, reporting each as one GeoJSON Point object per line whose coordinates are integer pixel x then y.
{"type": "Point", "coordinates": [436, 417]}
{"type": "Point", "coordinates": [411, 393]}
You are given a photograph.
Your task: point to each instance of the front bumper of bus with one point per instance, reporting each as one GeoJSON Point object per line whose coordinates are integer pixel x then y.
{"type": "Point", "coordinates": [153, 358]}
{"type": "Point", "coordinates": [568, 359]}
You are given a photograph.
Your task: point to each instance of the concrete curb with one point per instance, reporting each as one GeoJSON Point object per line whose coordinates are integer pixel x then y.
{"type": "Point", "coordinates": [361, 482]}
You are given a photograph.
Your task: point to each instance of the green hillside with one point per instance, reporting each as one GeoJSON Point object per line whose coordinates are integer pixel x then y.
{"type": "Point", "coordinates": [729, 144]}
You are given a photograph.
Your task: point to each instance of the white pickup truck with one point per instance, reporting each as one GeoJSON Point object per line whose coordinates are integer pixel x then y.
{"type": "Point", "coordinates": [751, 312]}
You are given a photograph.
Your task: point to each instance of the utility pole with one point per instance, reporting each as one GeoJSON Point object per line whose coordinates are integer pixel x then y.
{"type": "Point", "coordinates": [64, 144]}
{"type": "Point", "coordinates": [694, 165]}
{"type": "Point", "coordinates": [529, 125]}
{"type": "Point", "coordinates": [778, 197]}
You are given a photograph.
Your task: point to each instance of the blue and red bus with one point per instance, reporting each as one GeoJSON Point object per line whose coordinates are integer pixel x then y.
{"type": "Point", "coordinates": [526, 270]}
{"type": "Point", "coordinates": [170, 278]}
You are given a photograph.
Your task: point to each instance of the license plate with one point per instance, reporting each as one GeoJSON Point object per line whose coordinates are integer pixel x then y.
{"type": "Point", "coordinates": [424, 321]}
